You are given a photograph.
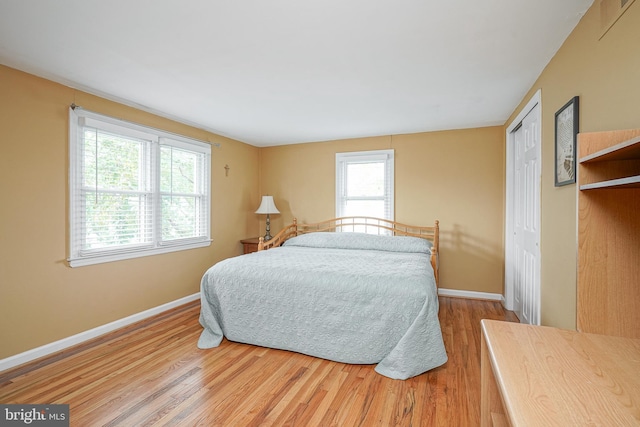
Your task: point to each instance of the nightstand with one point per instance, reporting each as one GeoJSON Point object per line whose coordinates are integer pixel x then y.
{"type": "Point", "coordinates": [250, 245]}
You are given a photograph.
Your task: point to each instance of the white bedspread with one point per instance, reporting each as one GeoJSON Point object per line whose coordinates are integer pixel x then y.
{"type": "Point", "coordinates": [360, 306]}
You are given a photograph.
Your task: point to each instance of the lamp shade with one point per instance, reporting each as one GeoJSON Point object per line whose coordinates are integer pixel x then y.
{"type": "Point", "coordinates": [267, 206]}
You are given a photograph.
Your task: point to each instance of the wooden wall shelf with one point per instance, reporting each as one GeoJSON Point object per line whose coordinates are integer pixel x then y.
{"type": "Point", "coordinates": [629, 182]}
{"type": "Point", "coordinates": [626, 150]}
{"type": "Point", "coordinates": [608, 286]}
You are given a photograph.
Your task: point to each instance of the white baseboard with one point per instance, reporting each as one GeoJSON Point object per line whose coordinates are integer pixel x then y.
{"type": "Point", "coordinates": [47, 349]}
{"type": "Point", "coordinates": [470, 294]}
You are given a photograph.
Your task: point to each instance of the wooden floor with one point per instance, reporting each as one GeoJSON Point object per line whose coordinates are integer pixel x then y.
{"type": "Point", "coordinates": [152, 373]}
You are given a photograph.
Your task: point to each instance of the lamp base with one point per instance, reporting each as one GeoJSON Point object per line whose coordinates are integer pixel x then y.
{"type": "Point", "coordinates": [267, 235]}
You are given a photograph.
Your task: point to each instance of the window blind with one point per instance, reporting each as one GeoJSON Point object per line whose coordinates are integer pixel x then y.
{"type": "Point", "coordinates": [183, 193]}
{"type": "Point", "coordinates": [364, 184]}
{"type": "Point", "coordinates": [134, 191]}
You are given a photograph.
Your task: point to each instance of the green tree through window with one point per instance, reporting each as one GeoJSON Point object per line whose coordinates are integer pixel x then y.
{"type": "Point", "coordinates": [134, 190]}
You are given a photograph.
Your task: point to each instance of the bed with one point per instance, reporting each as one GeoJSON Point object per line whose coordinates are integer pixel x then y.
{"type": "Point", "coordinates": [354, 290]}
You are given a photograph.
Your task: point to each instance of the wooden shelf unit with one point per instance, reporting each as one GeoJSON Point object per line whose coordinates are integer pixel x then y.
{"type": "Point", "coordinates": [609, 233]}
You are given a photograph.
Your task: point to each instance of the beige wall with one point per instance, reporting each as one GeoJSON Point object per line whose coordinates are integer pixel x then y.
{"type": "Point", "coordinates": [606, 75]}
{"type": "Point", "coordinates": [42, 299]}
{"type": "Point", "coordinates": [456, 177]}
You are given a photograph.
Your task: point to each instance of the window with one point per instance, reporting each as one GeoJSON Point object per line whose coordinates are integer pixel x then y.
{"type": "Point", "coordinates": [134, 191]}
{"type": "Point", "coordinates": [364, 184]}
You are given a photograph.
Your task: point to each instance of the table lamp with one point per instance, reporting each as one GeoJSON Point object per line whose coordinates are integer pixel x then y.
{"type": "Point", "coordinates": [267, 207]}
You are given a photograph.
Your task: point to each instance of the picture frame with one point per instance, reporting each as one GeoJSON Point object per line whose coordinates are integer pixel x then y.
{"type": "Point", "coordinates": [566, 138]}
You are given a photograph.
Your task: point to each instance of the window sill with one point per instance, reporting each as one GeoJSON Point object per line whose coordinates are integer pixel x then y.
{"type": "Point", "coordinates": [100, 259]}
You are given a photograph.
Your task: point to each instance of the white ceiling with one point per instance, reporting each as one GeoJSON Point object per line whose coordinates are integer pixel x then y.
{"type": "Point", "coordinates": [291, 71]}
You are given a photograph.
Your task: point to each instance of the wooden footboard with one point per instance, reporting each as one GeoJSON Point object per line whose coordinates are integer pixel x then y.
{"type": "Point", "coordinates": [363, 225]}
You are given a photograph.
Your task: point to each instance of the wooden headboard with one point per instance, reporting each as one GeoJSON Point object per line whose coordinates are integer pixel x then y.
{"type": "Point", "coordinates": [363, 225]}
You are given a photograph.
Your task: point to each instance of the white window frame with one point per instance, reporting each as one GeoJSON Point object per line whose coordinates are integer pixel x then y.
{"type": "Point", "coordinates": [157, 138]}
{"type": "Point", "coordinates": [343, 159]}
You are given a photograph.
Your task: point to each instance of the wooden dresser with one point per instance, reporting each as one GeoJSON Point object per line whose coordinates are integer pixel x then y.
{"type": "Point", "coordinates": [543, 376]}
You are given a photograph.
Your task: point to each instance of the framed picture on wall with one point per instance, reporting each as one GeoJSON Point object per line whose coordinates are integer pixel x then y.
{"type": "Point", "coordinates": [566, 139]}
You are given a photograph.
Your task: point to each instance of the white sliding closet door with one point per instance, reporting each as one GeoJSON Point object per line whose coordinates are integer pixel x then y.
{"type": "Point", "coordinates": [522, 257]}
